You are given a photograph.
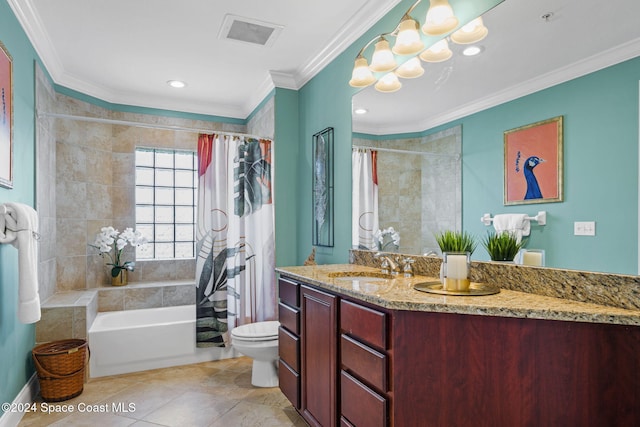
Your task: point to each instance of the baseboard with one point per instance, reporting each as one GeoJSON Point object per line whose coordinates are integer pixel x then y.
{"type": "Point", "coordinates": [26, 396]}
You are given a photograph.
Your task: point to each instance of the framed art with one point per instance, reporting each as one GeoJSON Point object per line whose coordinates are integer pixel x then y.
{"type": "Point", "coordinates": [533, 163]}
{"type": "Point", "coordinates": [6, 118]}
{"type": "Point", "coordinates": [323, 188]}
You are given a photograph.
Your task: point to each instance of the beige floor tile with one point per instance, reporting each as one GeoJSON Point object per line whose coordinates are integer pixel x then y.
{"type": "Point", "coordinates": [216, 393]}
{"type": "Point", "coordinates": [247, 414]}
{"type": "Point", "coordinates": [192, 409]}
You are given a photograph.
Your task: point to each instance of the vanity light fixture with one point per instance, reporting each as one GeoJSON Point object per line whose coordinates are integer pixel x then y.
{"type": "Point", "coordinates": [410, 69]}
{"type": "Point", "coordinates": [437, 53]}
{"type": "Point", "coordinates": [178, 84]}
{"type": "Point", "coordinates": [408, 41]}
{"type": "Point", "coordinates": [472, 32]}
{"type": "Point", "coordinates": [361, 75]}
{"type": "Point", "coordinates": [409, 47]}
{"type": "Point", "coordinates": [440, 18]}
{"type": "Point", "coordinates": [388, 83]}
{"type": "Point", "coordinates": [382, 59]}
{"type": "Point", "coordinates": [360, 111]}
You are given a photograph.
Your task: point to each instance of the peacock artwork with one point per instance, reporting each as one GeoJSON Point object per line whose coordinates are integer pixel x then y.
{"type": "Point", "coordinates": [533, 163]}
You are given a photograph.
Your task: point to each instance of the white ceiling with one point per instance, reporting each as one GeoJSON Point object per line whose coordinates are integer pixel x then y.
{"type": "Point", "coordinates": [124, 51]}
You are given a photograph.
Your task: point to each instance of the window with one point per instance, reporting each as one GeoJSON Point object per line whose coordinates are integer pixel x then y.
{"type": "Point", "coordinates": [166, 182]}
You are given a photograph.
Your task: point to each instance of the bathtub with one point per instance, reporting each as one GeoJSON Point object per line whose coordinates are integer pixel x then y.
{"type": "Point", "coordinates": [150, 338]}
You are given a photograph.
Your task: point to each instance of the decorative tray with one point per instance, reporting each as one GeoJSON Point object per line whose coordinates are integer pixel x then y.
{"type": "Point", "coordinates": [475, 289]}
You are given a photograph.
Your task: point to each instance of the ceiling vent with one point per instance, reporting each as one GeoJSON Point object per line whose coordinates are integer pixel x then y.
{"type": "Point", "coordinates": [249, 30]}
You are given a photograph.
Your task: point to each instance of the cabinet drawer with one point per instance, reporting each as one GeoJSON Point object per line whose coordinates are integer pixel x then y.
{"type": "Point", "coordinates": [368, 325]}
{"type": "Point", "coordinates": [289, 292]}
{"type": "Point", "coordinates": [360, 405]}
{"type": "Point", "coordinates": [364, 362]}
{"type": "Point", "coordinates": [289, 318]}
{"type": "Point", "coordinates": [289, 348]}
{"type": "Point", "coordinates": [289, 382]}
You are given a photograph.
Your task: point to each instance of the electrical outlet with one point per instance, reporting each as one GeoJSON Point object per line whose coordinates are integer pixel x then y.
{"type": "Point", "coordinates": [584, 228]}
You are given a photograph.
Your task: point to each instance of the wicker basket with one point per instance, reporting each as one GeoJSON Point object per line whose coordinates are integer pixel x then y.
{"type": "Point", "coordinates": [61, 365]}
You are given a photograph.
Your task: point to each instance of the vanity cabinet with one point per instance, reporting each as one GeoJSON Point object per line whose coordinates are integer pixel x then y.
{"type": "Point", "coordinates": [363, 365]}
{"type": "Point", "coordinates": [319, 350]}
{"type": "Point", "coordinates": [289, 340]}
{"type": "Point", "coordinates": [307, 351]}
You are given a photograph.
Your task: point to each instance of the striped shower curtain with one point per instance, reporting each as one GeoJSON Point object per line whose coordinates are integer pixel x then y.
{"type": "Point", "coordinates": [364, 219]}
{"type": "Point", "coordinates": [235, 264]}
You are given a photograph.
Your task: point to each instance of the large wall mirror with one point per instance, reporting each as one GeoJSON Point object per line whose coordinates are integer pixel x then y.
{"type": "Point", "coordinates": [418, 151]}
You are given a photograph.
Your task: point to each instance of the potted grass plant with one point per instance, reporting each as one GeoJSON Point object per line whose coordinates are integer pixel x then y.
{"type": "Point", "coordinates": [456, 241]}
{"type": "Point", "coordinates": [456, 247]}
{"type": "Point", "coordinates": [502, 246]}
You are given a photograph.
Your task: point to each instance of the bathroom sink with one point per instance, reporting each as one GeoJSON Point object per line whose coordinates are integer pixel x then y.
{"type": "Point", "coordinates": [369, 276]}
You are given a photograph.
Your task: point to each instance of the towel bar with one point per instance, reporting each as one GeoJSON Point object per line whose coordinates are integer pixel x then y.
{"type": "Point", "coordinates": [541, 218]}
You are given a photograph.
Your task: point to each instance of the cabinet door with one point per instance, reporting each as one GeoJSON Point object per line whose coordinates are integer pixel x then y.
{"type": "Point", "coordinates": [319, 356]}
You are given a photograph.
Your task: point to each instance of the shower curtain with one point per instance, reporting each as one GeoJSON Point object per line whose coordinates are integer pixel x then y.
{"type": "Point", "coordinates": [364, 221]}
{"type": "Point", "coordinates": [235, 264]}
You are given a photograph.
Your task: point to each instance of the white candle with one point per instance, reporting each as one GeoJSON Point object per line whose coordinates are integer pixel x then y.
{"type": "Point", "coordinates": [532, 258]}
{"type": "Point", "coordinates": [456, 267]}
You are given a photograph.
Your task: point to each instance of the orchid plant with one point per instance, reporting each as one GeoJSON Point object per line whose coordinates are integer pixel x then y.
{"type": "Point", "coordinates": [387, 239]}
{"type": "Point", "coordinates": [110, 242]}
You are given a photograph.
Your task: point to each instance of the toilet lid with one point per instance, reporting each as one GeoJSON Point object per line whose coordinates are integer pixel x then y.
{"type": "Point", "coordinates": [257, 331]}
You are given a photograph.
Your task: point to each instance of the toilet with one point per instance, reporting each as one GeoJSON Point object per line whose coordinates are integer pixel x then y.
{"type": "Point", "coordinates": [260, 342]}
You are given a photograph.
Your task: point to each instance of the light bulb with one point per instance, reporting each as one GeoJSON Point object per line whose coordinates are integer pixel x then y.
{"type": "Point", "coordinates": [437, 53]}
{"type": "Point", "coordinates": [410, 69]}
{"type": "Point", "coordinates": [408, 41]}
{"type": "Point", "coordinates": [383, 59]}
{"type": "Point", "coordinates": [440, 18]}
{"type": "Point", "coordinates": [361, 75]}
{"type": "Point", "coordinates": [470, 33]}
{"type": "Point", "coordinates": [388, 83]}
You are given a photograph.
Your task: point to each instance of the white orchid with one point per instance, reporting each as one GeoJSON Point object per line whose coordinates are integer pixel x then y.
{"type": "Point", "coordinates": [387, 237]}
{"type": "Point", "coordinates": [108, 236]}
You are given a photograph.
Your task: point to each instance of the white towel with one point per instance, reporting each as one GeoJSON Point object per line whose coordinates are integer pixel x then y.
{"type": "Point", "coordinates": [518, 224]}
{"type": "Point", "coordinates": [19, 226]}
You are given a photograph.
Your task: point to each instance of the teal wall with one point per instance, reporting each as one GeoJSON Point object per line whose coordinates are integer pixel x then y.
{"type": "Point", "coordinates": [16, 339]}
{"type": "Point", "coordinates": [287, 170]}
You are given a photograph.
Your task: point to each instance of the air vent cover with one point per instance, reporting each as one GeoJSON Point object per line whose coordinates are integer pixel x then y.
{"type": "Point", "coordinates": [249, 30]}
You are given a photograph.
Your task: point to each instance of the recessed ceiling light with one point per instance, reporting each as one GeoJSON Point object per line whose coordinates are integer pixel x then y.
{"type": "Point", "coordinates": [361, 111]}
{"type": "Point", "coordinates": [176, 83]}
{"type": "Point", "coordinates": [472, 50]}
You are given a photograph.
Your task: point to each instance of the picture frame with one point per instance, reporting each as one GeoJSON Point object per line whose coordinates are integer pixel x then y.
{"type": "Point", "coordinates": [6, 118]}
{"type": "Point", "coordinates": [322, 187]}
{"type": "Point", "coordinates": [533, 163]}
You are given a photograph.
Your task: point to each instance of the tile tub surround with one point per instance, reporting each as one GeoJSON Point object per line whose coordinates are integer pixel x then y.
{"type": "Point", "coordinates": [399, 294]}
{"type": "Point", "coordinates": [70, 314]}
{"type": "Point", "coordinates": [614, 290]}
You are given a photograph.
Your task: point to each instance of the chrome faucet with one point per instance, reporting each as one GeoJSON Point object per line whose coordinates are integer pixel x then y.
{"type": "Point", "coordinates": [388, 263]}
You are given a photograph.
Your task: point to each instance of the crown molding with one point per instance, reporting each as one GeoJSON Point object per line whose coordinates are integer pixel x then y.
{"type": "Point", "coordinates": [30, 21]}
{"type": "Point", "coordinates": [360, 23]}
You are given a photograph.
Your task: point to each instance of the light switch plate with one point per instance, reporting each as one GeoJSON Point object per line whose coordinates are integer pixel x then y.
{"type": "Point", "coordinates": [584, 228]}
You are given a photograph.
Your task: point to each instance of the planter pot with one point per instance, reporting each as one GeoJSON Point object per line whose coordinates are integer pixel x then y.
{"type": "Point", "coordinates": [120, 279]}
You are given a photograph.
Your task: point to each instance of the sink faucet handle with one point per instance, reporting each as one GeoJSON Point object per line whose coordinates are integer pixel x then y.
{"type": "Point", "coordinates": [407, 268]}
{"type": "Point", "coordinates": [384, 262]}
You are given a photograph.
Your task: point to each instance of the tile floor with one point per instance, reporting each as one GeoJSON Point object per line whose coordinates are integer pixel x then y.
{"type": "Point", "coordinates": [212, 394]}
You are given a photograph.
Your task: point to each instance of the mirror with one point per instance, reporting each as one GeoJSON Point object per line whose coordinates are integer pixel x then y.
{"type": "Point", "coordinates": [420, 199]}
{"type": "Point", "coordinates": [459, 88]}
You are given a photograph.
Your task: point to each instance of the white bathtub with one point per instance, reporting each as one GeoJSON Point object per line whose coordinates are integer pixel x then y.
{"type": "Point", "coordinates": [150, 338]}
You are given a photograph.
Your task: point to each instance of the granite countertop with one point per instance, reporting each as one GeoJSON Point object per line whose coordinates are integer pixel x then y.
{"type": "Point", "coordinates": [398, 294]}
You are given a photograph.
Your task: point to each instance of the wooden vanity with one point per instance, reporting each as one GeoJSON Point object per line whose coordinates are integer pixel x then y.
{"type": "Point", "coordinates": [383, 354]}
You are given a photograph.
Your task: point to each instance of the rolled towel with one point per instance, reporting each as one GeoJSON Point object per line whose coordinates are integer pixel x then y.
{"type": "Point", "coordinates": [19, 227]}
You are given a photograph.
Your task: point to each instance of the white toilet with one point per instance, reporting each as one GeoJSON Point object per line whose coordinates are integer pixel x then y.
{"type": "Point", "coordinates": [260, 342]}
